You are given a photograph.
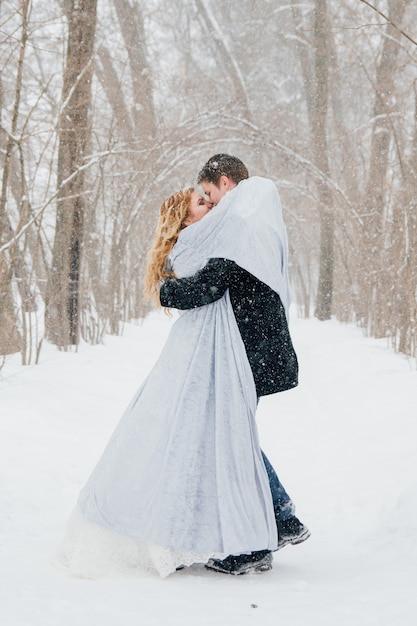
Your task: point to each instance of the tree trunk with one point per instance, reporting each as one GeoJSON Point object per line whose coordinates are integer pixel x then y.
{"type": "Point", "coordinates": [133, 32]}
{"type": "Point", "coordinates": [113, 89]}
{"type": "Point", "coordinates": [226, 58]}
{"type": "Point", "coordinates": [373, 266]}
{"type": "Point", "coordinates": [63, 291]}
{"type": "Point", "coordinates": [407, 340]}
{"type": "Point", "coordinates": [320, 151]}
{"type": "Point", "coordinates": [10, 337]}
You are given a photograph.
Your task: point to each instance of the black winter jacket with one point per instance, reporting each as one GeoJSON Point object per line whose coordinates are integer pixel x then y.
{"type": "Point", "coordinates": [259, 314]}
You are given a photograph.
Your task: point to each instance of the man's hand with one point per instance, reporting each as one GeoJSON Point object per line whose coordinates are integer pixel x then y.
{"type": "Point", "coordinates": [204, 287]}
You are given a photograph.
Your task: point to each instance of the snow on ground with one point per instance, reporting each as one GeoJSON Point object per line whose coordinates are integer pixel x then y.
{"type": "Point", "coordinates": [343, 443]}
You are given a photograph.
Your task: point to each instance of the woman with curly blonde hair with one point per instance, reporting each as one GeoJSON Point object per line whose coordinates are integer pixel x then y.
{"type": "Point", "coordinates": [182, 479]}
{"type": "Point", "coordinates": [180, 210]}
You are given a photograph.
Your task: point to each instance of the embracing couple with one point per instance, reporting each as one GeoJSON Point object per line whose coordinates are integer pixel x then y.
{"type": "Point", "coordinates": [183, 479]}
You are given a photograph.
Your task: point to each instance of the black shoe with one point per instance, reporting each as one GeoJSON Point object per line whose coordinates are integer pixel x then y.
{"type": "Point", "coordinates": [291, 531]}
{"type": "Point", "coordinates": [260, 561]}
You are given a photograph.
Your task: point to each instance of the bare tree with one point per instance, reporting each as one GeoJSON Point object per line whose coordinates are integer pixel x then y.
{"type": "Point", "coordinates": [321, 157]}
{"type": "Point", "coordinates": [63, 294]}
{"type": "Point", "coordinates": [10, 337]}
{"type": "Point", "coordinates": [133, 32]}
{"type": "Point", "coordinates": [374, 265]}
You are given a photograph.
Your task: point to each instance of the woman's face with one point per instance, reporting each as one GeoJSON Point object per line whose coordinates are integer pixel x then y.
{"type": "Point", "coordinates": [199, 207]}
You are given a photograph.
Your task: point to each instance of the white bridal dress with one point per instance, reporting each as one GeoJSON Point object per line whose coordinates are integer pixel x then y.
{"type": "Point", "coordinates": [182, 478]}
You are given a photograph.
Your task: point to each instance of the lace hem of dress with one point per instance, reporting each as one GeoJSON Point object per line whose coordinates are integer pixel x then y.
{"type": "Point", "coordinates": [92, 551]}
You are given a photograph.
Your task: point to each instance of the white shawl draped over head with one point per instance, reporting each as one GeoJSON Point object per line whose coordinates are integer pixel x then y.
{"type": "Point", "coordinates": [182, 478]}
{"type": "Point", "coordinates": [246, 227]}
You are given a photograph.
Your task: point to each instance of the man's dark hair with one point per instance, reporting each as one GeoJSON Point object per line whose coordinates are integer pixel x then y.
{"type": "Point", "coordinates": [223, 165]}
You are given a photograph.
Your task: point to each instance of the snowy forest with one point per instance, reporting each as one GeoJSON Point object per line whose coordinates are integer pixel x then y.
{"type": "Point", "coordinates": [108, 106]}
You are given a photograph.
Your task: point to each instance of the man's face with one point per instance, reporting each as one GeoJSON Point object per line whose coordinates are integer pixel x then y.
{"type": "Point", "coordinates": [214, 193]}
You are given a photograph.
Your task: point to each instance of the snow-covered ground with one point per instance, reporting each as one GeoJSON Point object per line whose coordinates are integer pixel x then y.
{"type": "Point", "coordinates": [343, 443]}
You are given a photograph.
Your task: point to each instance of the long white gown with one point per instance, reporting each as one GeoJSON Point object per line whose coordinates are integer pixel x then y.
{"type": "Point", "coordinates": [182, 478]}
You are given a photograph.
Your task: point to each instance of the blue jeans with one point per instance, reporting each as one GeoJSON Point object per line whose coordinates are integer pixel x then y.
{"type": "Point", "coordinates": [283, 505]}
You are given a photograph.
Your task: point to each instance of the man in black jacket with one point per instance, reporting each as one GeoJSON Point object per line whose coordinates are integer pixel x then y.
{"type": "Point", "coordinates": [262, 323]}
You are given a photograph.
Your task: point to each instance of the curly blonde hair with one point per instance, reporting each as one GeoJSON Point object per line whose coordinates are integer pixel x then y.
{"type": "Point", "coordinates": [172, 214]}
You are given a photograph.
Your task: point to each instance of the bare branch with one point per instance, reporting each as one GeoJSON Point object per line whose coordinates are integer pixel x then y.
{"type": "Point", "coordinates": [390, 21]}
{"type": "Point", "coordinates": [41, 210]}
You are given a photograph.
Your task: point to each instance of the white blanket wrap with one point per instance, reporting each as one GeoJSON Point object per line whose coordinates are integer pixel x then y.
{"type": "Point", "coordinates": [182, 478]}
